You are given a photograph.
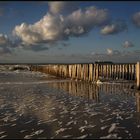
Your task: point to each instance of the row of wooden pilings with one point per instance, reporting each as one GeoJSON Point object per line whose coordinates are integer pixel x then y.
{"type": "Point", "coordinates": [90, 72]}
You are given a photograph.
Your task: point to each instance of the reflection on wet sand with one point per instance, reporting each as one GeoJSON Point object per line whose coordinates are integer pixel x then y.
{"type": "Point", "coordinates": [27, 112]}
{"type": "Point", "coordinates": [91, 91]}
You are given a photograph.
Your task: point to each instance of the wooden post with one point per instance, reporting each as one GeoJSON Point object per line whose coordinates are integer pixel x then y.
{"type": "Point", "coordinates": [127, 71]}
{"type": "Point", "coordinates": [81, 72]}
{"type": "Point", "coordinates": [113, 71]}
{"type": "Point", "coordinates": [137, 95]}
{"type": "Point", "coordinates": [123, 71]}
{"type": "Point", "coordinates": [135, 71]}
{"type": "Point", "coordinates": [107, 71]}
{"type": "Point", "coordinates": [97, 72]}
{"type": "Point", "coordinates": [138, 74]}
{"type": "Point", "coordinates": [78, 72]}
{"type": "Point", "coordinates": [120, 71]}
{"type": "Point", "coordinates": [131, 71]}
{"type": "Point", "coordinates": [110, 71]}
{"type": "Point", "coordinates": [117, 71]}
{"type": "Point", "coordinates": [90, 72]}
{"type": "Point", "coordinates": [103, 71]}
{"type": "Point", "coordinates": [84, 72]}
{"type": "Point", "coordinates": [94, 75]}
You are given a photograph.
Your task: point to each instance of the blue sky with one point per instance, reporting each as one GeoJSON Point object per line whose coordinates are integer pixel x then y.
{"type": "Point", "coordinates": [65, 32]}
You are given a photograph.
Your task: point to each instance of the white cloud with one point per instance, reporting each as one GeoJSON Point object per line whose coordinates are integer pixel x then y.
{"type": "Point", "coordinates": [136, 19]}
{"type": "Point", "coordinates": [116, 56]}
{"type": "Point", "coordinates": [114, 28]}
{"type": "Point", "coordinates": [49, 28]}
{"type": "Point", "coordinates": [53, 28]}
{"type": "Point", "coordinates": [3, 39]}
{"type": "Point", "coordinates": [109, 51]}
{"type": "Point", "coordinates": [128, 44]}
{"type": "Point", "coordinates": [88, 18]}
{"type": "Point", "coordinates": [93, 53]}
{"type": "Point", "coordinates": [5, 44]}
{"type": "Point", "coordinates": [112, 52]}
{"type": "Point", "coordinates": [57, 7]}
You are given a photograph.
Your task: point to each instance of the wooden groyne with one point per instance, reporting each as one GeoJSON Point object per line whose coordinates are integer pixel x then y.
{"type": "Point", "coordinates": [90, 72]}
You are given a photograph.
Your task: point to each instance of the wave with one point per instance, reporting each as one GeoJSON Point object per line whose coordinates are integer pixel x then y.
{"type": "Point", "coordinates": [37, 82]}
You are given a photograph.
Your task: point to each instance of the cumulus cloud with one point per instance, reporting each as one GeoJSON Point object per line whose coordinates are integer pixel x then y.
{"type": "Point", "coordinates": [112, 52]}
{"type": "Point", "coordinates": [93, 53]}
{"type": "Point", "coordinates": [109, 51]}
{"type": "Point", "coordinates": [32, 47]}
{"type": "Point", "coordinates": [117, 56]}
{"type": "Point", "coordinates": [5, 44]}
{"type": "Point", "coordinates": [59, 7]}
{"type": "Point", "coordinates": [53, 28]}
{"type": "Point", "coordinates": [114, 28]}
{"type": "Point", "coordinates": [82, 21]}
{"type": "Point", "coordinates": [4, 40]}
{"type": "Point", "coordinates": [136, 19]}
{"type": "Point", "coordinates": [116, 52]}
{"type": "Point", "coordinates": [128, 44]}
{"type": "Point", "coordinates": [48, 29]}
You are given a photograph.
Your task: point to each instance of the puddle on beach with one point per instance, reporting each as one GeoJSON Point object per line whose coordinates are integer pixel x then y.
{"type": "Point", "coordinates": [33, 108]}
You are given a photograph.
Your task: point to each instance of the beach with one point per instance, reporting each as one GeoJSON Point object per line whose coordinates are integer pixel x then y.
{"type": "Point", "coordinates": [37, 105]}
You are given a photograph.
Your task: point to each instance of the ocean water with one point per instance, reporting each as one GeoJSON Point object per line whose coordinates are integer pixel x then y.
{"type": "Point", "coordinates": [36, 105]}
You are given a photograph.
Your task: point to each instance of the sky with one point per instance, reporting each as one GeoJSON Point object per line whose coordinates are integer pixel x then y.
{"type": "Point", "coordinates": [69, 32]}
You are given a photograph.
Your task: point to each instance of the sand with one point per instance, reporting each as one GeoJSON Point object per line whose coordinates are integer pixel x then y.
{"type": "Point", "coordinates": [36, 105]}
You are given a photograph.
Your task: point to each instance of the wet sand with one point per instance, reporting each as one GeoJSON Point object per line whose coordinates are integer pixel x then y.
{"type": "Point", "coordinates": [35, 105]}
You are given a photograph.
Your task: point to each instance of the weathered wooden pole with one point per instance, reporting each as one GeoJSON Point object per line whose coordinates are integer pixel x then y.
{"type": "Point", "coordinates": [107, 71]}
{"type": "Point", "coordinates": [78, 71]}
{"type": "Point", "coordinates": [124, 71]}
{"type": "Point", "coordinates": [120, 71]}
{"type": "Point", "coordinates": [113, 71]}
{"type": "Point", "coordinates": [90, 72]}
{"type": "Point", "coordinates": [117, 71]}
{"type": "Point", "coordinates": [101, 72]}
{"type": "Point", "coordinates": [131, 72]}
{"type": "Point", "coordinates": [138, 75]}
{"type": "Point", "coordinates": [135, 71]}
{"type": "Point", "coordinates": [137, 95]}
{"type": "Point", "coordinates": [84, 72]}
{"type": "Point", "coordinates": [96, 72]}
{"type": "Point", "coordinates": [127, 71]}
